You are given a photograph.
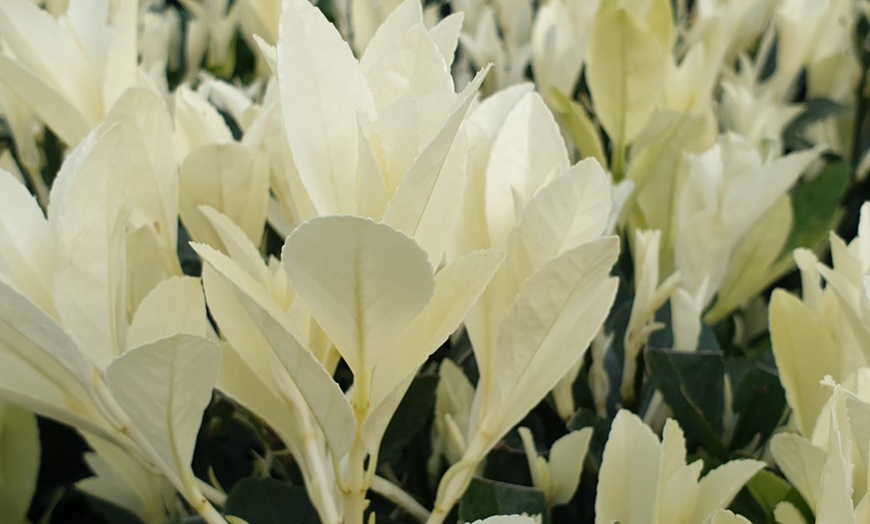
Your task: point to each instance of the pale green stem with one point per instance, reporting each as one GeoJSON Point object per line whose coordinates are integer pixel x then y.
{"type": "Point", "coordinates": [399, 497]}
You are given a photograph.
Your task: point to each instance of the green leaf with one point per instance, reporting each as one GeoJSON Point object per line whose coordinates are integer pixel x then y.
{"type": "Point", "coordinates": [759, 400]}
{"type": "Point", "coordinates": [19, 461]}
{"type": "Point", "coordinates": [485, 498]}
{"type": "Point", "coordinates": [769, 489]}
{"type": "Point", "coordinates": [692, 385]}
{"type": "Point", "coordinates": [582, 132]}
{"type": "Point", "coordinates": [816, 205]}
{"type": "Point", "coordinates": [270, 501]}
{"type": "Point", "coordinates": [415, 409]}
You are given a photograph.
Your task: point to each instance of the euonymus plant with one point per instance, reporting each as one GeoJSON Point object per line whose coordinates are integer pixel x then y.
{"type": "Point", "coordinates": [503, 261]}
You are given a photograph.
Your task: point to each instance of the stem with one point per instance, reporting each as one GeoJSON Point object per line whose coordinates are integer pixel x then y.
{"type": "Point", "coordinates": [355, 501]}
{"type": "Point", "coordinates": [316, 481]}
{"type": "Point", "coordinates": [399, 497]}
{"type": "Point", "coordinates": [617, 162]}
{"type": "Point", "coordinates": [212, 493]}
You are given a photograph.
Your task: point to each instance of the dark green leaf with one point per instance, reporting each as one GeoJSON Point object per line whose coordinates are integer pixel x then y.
{"type": "Point", "coordinates": [113, 513]}
{"type": "Point", "coordinates": [485, 498]}
{"type": "Point", "coordinates": [759, 402]}
{"type": "Point", "coordinates": [270, 501]}
{"type": "Point", "coordinates": [816, 207]}
{"type": "Point", "coordinates": [416, 408]}
{"type": "Point", "coordinates": [692, 385]}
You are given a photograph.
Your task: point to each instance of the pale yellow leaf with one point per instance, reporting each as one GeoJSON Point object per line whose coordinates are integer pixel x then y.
{"type": "Point", "coordinates": [322, 90]}
{"type": "Point", "coordinates": [625, 69]}
{"type": "Point", "coordinates": [252, 321]}
{"type": "Point", "coordinates": [566, 463]}
{"type": "Point", "coordinates": [719, 487]}
{"type": "Point", "coordinates": [229, 179]}
{"type": "Point", "coordinates": [88, 216]}
{"type": "Point", "coordinates": [805, 353]}
{"type": "Point", "coordinates": [174, 307]}
{"type": "Point", "coordinates": [801, 463]}
{"type": "Point", "coordinates": [362, 281]}
{"type": "Point", "coordinates": [164, 387]}
{"type": "Point", "coordinates": [628, 480]}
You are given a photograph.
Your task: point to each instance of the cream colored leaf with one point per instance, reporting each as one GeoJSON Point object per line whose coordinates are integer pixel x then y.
{"type": "Point", "coordinates": [445, 35]}
{"type": "Point", "coordinates": [547, 330]}
{"type": "Point", "coordinates": [49, 50]}
{"type": "Point", "coordinates": [625, 69]}
{"type": "Point", "coordinates": [425, 207]}
{"type": "Point", "coordinates": [229, 179]}
{"type": "Point", "coordinates": [719, 487]}
{"type": "Point", "coordinates": [29, 257]}
{"type": "Point", "coordinates": [582, 132]}
{"type": "Point", "coordinates": [251, 319]}
{"type": "Point", "coordinates": [121, 55]}
{"type": "Point", "coordinates": [88, 216]}
{"type": "Point", "coordinates": [805, 353]}
{"type": "Point", "coordinates": [197, 122]}
{"type": "Point", "coordinates": [364, 282]}
{"type": "Point", "coordinates": [322, 90]}
{"type": "Point", "coordinates": [238, 246]}
{"type": "Point", "coordinates": [153, 180]}
{"type": "Point", "coordinates": [400, 20]}
{"type": "Point", "coordinates": [801, 463]}
{"type": "Point", "coordinates": [750, 264]}
{"type": "Point", "coordinates": [566, 463]}
{"type": "Point", "coordinates": [19, 462]}
{"type": "Point", "coordinates": [528, 150]}
{"type": "Point", "coordinates": [457, 287]}
{"type": "Point", "coordinates": [175, 306]}
{"type": "Point", "coordinates": [164, 387]}
{"type": "Point", "coordinates": [723, 516]}
{"type": "Point", "coordinates": [48, 103]}
{"type": "Point", "coordinates": [571, 210]}
{"type": "Point", "coordinates": [628, 481]}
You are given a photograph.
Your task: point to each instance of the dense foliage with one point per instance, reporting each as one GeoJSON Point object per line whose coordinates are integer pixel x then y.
{"type": "Point", "coordinates": [403, 261]}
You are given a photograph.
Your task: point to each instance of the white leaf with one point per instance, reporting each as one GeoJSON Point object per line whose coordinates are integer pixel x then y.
{"type": "Point", "coordinates": [28, 259]}
{"type": "Point", "coordinates": [229, 179]}
{"type": "Point", "coordinates": [164, 387]}
{"type": "Point", "coordinates": [566, 463]}
{"type": "Point", "coordinates": [719, 487]}
{"type": "Point", "coordinates": [362, 281]}
{"type": "Point", "coordinates": [805, 353]}
{"type": "Point", "coordinates": [528, 150]}
{"type": "Point", "coordinates": [626, 67]}
{"type": "Point", "coordinates": [250, 318]}
{"type": "Point", "coordinates": [628, 480]}
{"type": "Point", "coordinates": [174, 307]}
{"type": "Point", "coordinates": [322, 89]}
{"type": "Point", "coordinates": [89, 217]}
{"type": "Point", "coordinates": [425, 207]}
{"type": "Point", "coordinates": [571, 210]}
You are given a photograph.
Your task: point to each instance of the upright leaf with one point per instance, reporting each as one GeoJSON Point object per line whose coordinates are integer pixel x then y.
{"type": "Point", "coordinates": [626, 68]}
{"type": "Point", "coordinates": [362, 281]}
{"type": "Point", "coordinates": [322, 90]}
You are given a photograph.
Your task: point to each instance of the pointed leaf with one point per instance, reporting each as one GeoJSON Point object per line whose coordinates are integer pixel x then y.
{"type": "Point", "coordinates": [322, 90]}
